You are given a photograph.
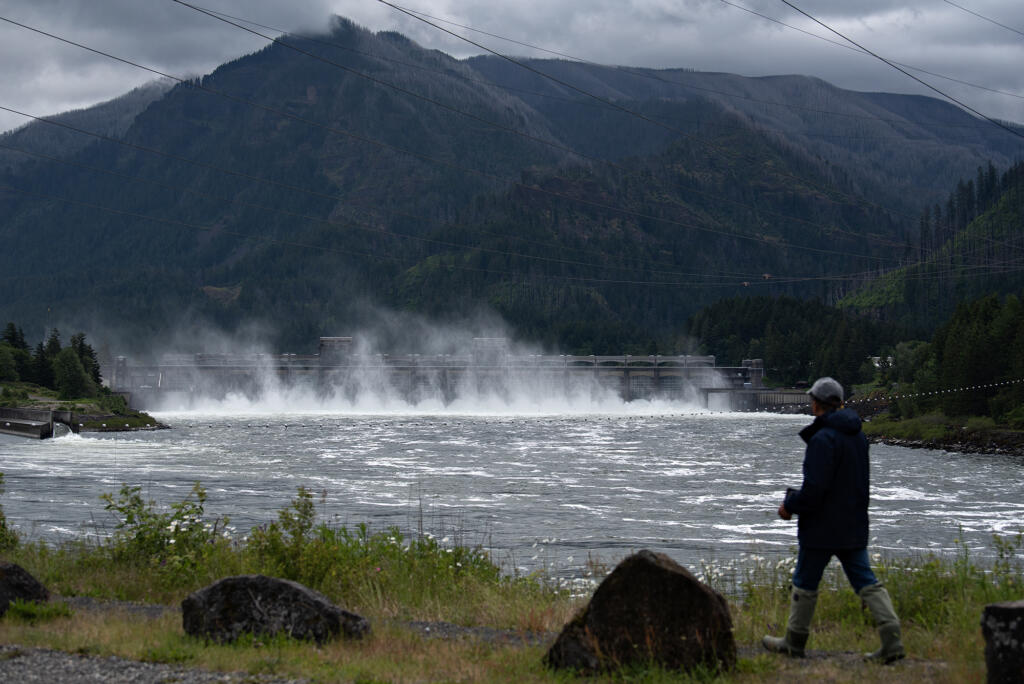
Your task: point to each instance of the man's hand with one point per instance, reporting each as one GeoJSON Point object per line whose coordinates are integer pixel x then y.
{"type": "Point", "coordinates": [783, 513]}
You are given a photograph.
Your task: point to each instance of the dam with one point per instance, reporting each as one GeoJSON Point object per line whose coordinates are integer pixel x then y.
{"type": "Point", "coordinates": [487, 366]}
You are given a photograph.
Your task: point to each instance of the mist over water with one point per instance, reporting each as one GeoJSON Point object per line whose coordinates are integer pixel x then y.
{"type": "Point", "coordinates": [393, 362]}
{"type": "Point", "coordinates": [541, 488]}
{"type": "Point", "coordinates": [523, 395]}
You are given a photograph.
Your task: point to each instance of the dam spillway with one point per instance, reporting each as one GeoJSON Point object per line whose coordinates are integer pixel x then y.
{"type": "Point", "coordinates": [487, 367]}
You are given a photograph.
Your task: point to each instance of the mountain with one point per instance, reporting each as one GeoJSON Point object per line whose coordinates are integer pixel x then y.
{"type": "Point", "coordinates": [907, 150]}
{"type": "Point", "coordinates": [110, 118]}
{"type": "Point", "coordinates": [302, 194]}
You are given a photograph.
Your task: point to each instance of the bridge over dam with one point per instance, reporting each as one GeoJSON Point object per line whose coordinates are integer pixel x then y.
{"type": "Point", "coordinates": [488, 368]}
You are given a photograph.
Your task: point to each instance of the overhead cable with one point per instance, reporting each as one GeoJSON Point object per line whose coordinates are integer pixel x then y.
{"type": "Point", "coordinates": [994, 122]}
{"type": "Point", "coordinates": [610, 103]}
{"type": "Point", "coordinates": [532, 188]}
{"type": "Point", "coordinates": [865, 53]}
{"type": "Point", "coordinates": [523, 186]}
{"type": "Point", "coordinates": [583, 60]}
{"type": "Point", "coordinates": [982, 16]}
{"type": "Point", "coordinates": [443, 266]}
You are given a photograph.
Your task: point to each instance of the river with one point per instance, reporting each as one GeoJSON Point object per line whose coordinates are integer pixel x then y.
{"type": "Point", "coordinates": [540, 487]}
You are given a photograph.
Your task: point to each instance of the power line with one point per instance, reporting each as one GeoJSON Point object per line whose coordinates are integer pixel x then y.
{"type": "Point", "coordinates": [903, 71]}
{"type": "Point", "coordinates": [930, 272]}
{"type": "Point", "coordinates": [444, 266]}
{"type": "Point", "coordinates": [200, 86]}
{"type": "Point", "coordinates": [415, 237]}
{"type": "Point", "coordinates": [610, 103]}
{"type": "Point", "coordinates": [447, 73]}
{"type": "Point", "coordinates": [862, 52]}
{"type": "Point", "coordinates": [474, 117]}
{"type": "Point", "coordinates": [523, 186]}
{"type": "Point", "coordinates": [359, 225]}
{"type": "Point", "coordinates": [982, 16]}
{"type": "Point", "coordinates": [724, 93]}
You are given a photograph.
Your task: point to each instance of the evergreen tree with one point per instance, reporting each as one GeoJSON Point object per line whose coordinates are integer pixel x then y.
{"type": "Point", "coordinates": [70, 377]}
{"type": "Point", "coordinates": [14, 337]}
{"type": "Point", "coordinates": [42, 367]}
{"type": "Point", "coordinates": [87, 355]}
{"type": "Point", "coordinates": [8, 367]}
{"type": "Point", "coordinates": [53, 344]}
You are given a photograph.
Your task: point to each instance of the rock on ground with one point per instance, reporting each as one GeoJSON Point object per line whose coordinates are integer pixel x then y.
{"type": "Point", "coordinates": [17, 583]}
{"type": "Point", "coordinates": [257, 604]}
{"type": "Point", "coordinates": [1002, 625]}
{"type": "Point", "coordinates": [649, 609]}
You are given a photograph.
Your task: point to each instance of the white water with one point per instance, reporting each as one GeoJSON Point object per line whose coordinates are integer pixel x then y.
{"type": "Point", "coordinates": [538, 484]}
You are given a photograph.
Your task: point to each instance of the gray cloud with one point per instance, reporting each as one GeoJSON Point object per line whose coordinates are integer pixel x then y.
{"type": "Point", "coordinates": [42, 76]}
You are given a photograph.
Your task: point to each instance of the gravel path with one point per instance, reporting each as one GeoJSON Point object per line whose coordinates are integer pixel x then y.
{"type": "Point", "coordinates": [19, 664]}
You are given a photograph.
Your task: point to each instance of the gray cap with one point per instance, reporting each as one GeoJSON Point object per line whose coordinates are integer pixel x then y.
{"type": "Point", "coordinates": [827, 391]}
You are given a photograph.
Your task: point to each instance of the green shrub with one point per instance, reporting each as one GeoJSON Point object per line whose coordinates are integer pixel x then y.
{"type": "Point", "coordinates": [36, 611]}
{"type": "Point", "coordinates": [175, 541]}
{"type": "Point", "coordinates": [8, 537]}
{"type": "Point", "coordinates": [1015, 418]}
{"type": "Point", "coordinates": [979, 424]}
{"type": "Point", "coordinates": [370, 565]}
{"type": "Point", "coordinates": [112, 403]}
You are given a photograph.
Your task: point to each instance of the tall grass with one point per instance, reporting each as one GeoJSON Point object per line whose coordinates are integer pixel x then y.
{"type": "Point", "coordinates": [158, 555]}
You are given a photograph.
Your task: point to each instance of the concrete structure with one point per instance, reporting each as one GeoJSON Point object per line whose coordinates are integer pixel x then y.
{"type": "Point", "coordinates": [34, 423]}
{"type": "Point", "coordinates": [488, 367]}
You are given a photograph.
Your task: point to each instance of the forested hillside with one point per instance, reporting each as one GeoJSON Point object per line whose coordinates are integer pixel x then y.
{"type": "Point", "coordinates": [110, 118]}
{"type": "Point", "coordinates": [300, 196]}
{"type": "Point", "coordinates": [798, 340]}
{"type": "Point", "coordinates": [970, 246]}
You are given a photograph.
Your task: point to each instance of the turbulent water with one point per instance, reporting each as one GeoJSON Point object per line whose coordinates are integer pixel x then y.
{"type": "Point", "coordinates": [538, 487]}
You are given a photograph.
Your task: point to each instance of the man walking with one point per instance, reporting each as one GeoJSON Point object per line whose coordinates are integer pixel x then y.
{"type": "Point", "coordinates": [832, 505]}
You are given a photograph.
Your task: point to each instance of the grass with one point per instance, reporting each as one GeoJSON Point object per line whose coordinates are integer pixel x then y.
{"type": "Point", "coordinates": [938, 428]}
{"type": "Point", "coordinates": [107, 412]}
{"type": "Point", "coordinates": [928, 428]}
{"type": "Point", "coordinates": [159, 555]}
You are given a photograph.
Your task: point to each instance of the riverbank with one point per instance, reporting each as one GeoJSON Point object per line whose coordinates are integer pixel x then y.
{"type": "Point", "coordinates": [975, 435]}
{"type": "Point", "coordinates": [446, 612]}
{"type": "Point", "coordinates": [105, 413]}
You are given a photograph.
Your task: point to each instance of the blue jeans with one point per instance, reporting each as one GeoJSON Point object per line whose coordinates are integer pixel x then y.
{"type": "Point", "coordinates": [810, 565]}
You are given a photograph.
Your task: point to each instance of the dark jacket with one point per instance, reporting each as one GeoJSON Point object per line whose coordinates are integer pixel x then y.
{"type": "Point", "coordinates": [833, 501]}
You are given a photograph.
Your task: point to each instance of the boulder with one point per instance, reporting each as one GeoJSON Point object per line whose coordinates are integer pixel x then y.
{"type": "Point", "coordinates": [17, 583]}
{"type": "Point", "coordinates": [1002, 625]}
{"type": "Point", "coordinates": [256, 604]}
{"type": "Point", "coordinates": [648, 610]}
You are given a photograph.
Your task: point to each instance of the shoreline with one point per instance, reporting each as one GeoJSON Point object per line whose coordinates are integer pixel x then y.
{"type": "Point", "coordinates": [962, 444]}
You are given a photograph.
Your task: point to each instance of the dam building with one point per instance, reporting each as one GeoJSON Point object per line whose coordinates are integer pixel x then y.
{"type": "Point", "coordinates": [488, 366]}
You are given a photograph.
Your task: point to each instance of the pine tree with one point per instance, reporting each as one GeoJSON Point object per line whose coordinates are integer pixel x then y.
{"type": "Point", "coordinates": [14, 337]}
{"type": "Point", "coordinates": [87, 355]}
{"type": "Point", "coordinates": [70, 378]}
{"type": "Point", "coordinates": [42, 368]}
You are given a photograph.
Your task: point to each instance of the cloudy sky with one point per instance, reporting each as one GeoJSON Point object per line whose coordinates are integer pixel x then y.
{"type": "Point", "coordinates": [41, 76]}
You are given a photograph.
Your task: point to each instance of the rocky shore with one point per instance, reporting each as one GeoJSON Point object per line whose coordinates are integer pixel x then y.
{"type": "Point", "coordinates": [996, 442]}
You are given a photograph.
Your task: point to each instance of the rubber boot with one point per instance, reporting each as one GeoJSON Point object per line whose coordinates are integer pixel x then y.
{"type": "Point", "coordinates": [877, 599]}
{"type": "Point", "coordinates": [801, 610]}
